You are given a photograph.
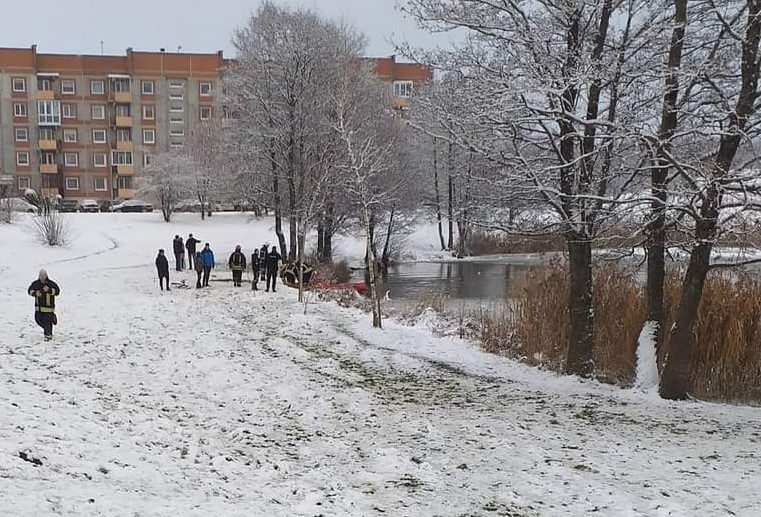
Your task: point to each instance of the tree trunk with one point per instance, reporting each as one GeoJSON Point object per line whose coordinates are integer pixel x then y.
{"type": "Point", "coordinates": [580, 308]}
{"type": "Point", "coordinates": [327, 249]}
{"type": "Point", "coordinates": [320, 237]}
{"type": "Point", "coordinates": [277, 208]}
{"type": "Point", "coordinates": [438, 195]}
{"type": "Point", "coordinates": [371, 260]}
{"type": "Point", "coordinates": [450, 208]}
{"type": "Point", "coordinates": [385, 258]}
{"type": "Point", "coordinates": [300, 261]}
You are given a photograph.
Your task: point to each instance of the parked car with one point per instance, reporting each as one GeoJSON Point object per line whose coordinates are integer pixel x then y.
{"type": "Point", "coordinates": [133, 205]}
{"type": "Point", "coordinates": [188, 205]}
{"type": "Point", "coordinates": [89, 205]}
{"type": "Point", "coordinates": [68, 205]}
{"type": "Point", "coordinates": [107, 204]}
{"type": "Point", "coordinates": [19, 205]}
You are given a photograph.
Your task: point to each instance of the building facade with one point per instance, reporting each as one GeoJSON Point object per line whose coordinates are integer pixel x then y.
{"type": "Point", "coordinates": [83, 126]}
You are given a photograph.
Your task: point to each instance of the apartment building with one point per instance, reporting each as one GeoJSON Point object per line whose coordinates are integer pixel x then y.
{"type": "Point", "coordinates": [83, 126]}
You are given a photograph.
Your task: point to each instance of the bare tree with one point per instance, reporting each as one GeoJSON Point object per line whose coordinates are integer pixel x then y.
{"type": "Point", "coordinates": [167, 181]}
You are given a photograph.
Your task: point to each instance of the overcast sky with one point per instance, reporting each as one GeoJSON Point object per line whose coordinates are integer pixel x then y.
{"type": "Point", "coordinates": [78, 26]}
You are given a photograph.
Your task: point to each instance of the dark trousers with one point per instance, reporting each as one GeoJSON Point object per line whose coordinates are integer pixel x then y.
{"type": "Point", "coordinates": [161, 282]}
{"type": "Point", "coordinates": [198, 280]}
{"type": "Point", "coordinates": [191, 257]}
{"type": "Point", "coordinates": [255, 280]}
{"type": "Point", "coordinates": [206, 273]}
{"type": "Point", "coordinates": [178, 260]}
{"type": "Point", "coordinates": [271, 277]}
{"type": "Point", "coordinates": [237, 277]}
{"type": "Point", "coordinates": [45, 320]}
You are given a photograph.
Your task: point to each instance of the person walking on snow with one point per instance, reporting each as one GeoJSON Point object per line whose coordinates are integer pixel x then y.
{"type": "Point", "coordinates": [255, 269]}
{"type": "Point", "coordinates": [199, 268]}
{"type": "Point", "coordinates": [263, 261]}
{"type": "Point", "coordinates": [162, 268]}
{"type": "Point", "coordinates": [44, 291]}
{"type": "Point", "coordinates": [190, 245]}
{"type": "Point", "coordinates": [272, 260]}
{"type": "Point", "coordinates": [207, 259]}
{"type": "Point", "coordinates": [179, 252]}
{"type": "Point", "coordinates": [237, 264]}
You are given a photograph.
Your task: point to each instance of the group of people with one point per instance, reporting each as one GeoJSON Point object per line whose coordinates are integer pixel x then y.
{"type": "Point", "coordinates": [264, 263]}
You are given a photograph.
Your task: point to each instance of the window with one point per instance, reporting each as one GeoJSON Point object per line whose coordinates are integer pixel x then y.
{"type": "Point", "coordinates": [149, 112]}
{"type": "Point", "coordinates": [99, 160]}
{"type": "Point", "coordinates": [147, 87]}
{"type": "Point", "coordinates": [46, 133]}
{"type": "Point", "coordinates": [98, 112]}
{"type": "Point", "coordinates": [22, 158]}
{"type": "Point", "coordinates": [99, 136]}
{"type": "Point", "coordinates": [70, 136]}
{"type": "Point", "coordinates": [176, 120]}
{"type": "Point", "coordinates": [22, 134]}
{"type": "Point", "coordinates": [122, 110]}
{"type": "Point", "coordinates": [205, 89]}
{"type": "Point", "coordinates": [19, 84]}
{"type": "Point", "coordinates": [176, 84]}
{"type": "Point", "coordinates": [176, 145]}
{"type": "Point", "coordinates": [123, 135]}
{"type": "Point", "coordinates": [403, 88]}
{"type": "Point", "coordinates": [47, 158]}
{"type": "Point", "coordinates": [72, 183]}
{"type": "Point", "coordinates": [100, 184]}
{"type": "Point", "coordinates": [24, 183]}
{"type": "Point", "coordinates": [70, 159]}
{"type": "Point", "coordinates": [149, 136]}
{"type": "Point", "coordinates": [19, 109]}
{"type": "Point", "coordinates": [120, 84]}
{"type": "Point", "coordinates": [176, 96]}
{"type": "Point", "coordinates": [124, 182]}
{"type": "Point", "coordinates": [121, 157]}
{"type": "Point", "coordinates": [49, 113]}
{"type": "Point", "coordinates": [44, 85]}
{"type": "Point", "coordinates": [147, 159]}
{"type": "Point", "coordinates": [176, 109]}
{"type": "Point", "coordinates": [204, 113]}
{"type": "Point", "coordinates": [69, 110]}
{"type": "Point", "coordinates": [177, 132]}
{"type": "Point", "coordinates": [97, 87]}
{"type": "Point", "coordinates": [68, 87]}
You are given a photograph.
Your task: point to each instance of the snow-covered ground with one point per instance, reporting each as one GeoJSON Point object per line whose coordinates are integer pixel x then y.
{"type": "Point", "coordinates": [226, 402]}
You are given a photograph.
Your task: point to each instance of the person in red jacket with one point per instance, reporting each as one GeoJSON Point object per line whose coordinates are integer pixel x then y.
{"type": "Point", "coordinates": [44, 291]}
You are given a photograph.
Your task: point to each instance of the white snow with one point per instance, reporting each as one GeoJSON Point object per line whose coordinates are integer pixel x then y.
{"type": "Point", "coordinates": [226, 402]}
{"type": "Point", "coordinates": [646, 377]}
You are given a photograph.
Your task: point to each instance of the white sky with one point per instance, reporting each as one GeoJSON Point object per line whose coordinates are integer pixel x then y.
{"type": "Point", "coordinates": [78, 26]}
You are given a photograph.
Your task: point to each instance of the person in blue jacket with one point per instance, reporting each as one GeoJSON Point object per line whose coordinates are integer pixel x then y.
{"type": "Point", "coordinates": [207, 259]}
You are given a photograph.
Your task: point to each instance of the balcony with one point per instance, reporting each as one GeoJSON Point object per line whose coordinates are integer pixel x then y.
{"type": "Point", "coordinates": [125, 170]}
{"type": "Point", "coordinates": [126, 193]}
{"type": "Point", "coordinates": [122, 97]}
{"type": "Point", "coordinates": [48, 145]}
{"type": "Point", "coordinates": [122, 121]}
{"type": "Point", "coordinates": [48, 168]}
{"type": "Point", "coordinates": [125, 146]}
{"type": "Point", "coordinates": [6, 180]}
{"type": "Point", "coordinates": [45, 95]}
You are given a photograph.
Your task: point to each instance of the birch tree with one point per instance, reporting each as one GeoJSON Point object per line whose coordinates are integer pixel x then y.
{"type": "Point", "coordinates": [167, 181]}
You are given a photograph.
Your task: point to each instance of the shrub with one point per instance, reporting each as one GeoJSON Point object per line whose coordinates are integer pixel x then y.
{"type": "Point", "coordinates": [53, 229]}
{"type": "Point", "coordinates": [334, 271]}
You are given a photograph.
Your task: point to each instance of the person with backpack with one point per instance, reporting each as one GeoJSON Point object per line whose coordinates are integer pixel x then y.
{"type": "Point", "coordinates": [179, 252]}
{"type": "Point", "coordinates": [162, 268]}
{"type": "Point", "coordinates": [190, 245]}
{"type": "Point", "coordinates": [237, 264]}
{"type": "Point", "coordinates": [255, 270]}
{"type": "Point", "coordinates": [198, 264]}
{"type": "Point", "coordinates": [44, 291]}
{"type": "Point", "coordinates": [272, 261]}
{"type": "Point", "coordinates": [207, 260]}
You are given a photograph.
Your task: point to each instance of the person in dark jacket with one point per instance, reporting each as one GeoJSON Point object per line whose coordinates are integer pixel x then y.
{"type": "Point", "coordinates": [162, 268]}
{"type": "Point", "coordinates": [207, 259]}
{"type": "Point", "coordinates": [237, 264]}
{"type": "Point", "coordinates": [44, 291]}
{"type": "Point", "coordinates": [190, 245]}
{"type": "Point", "coordinates": [263, 261]}
{"type": "Point", "coordinates": [199, 268]}
{"type": "Point", "coordinates": [272, 260]}
{"type": "Point", "coordinates": [255, 270]}
{"type": "Point", "coordinates": [179, 252]}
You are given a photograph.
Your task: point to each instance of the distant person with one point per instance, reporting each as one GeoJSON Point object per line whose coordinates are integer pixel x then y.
{"type": "Point", "coordinates": [179, 252]}
{"type": "Point", "coordinates": [263, 261]}
{"type": "Point", "coordinates": [190, 245]}
{"type": "Point", "coordinates": [272, 260]}
{"type": "Point", "coordinates": [255, 270]}
{"type": "Point", "coordinates": [162, 268]}
{"type": "Point", "coordinates": [199, 268]}
{"type": "Point", "coordinates": [237, 265]}
{"type": "Point", "coordinates": [44, 291]}
{"type": "Point", "coordinates": [207, 259]}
